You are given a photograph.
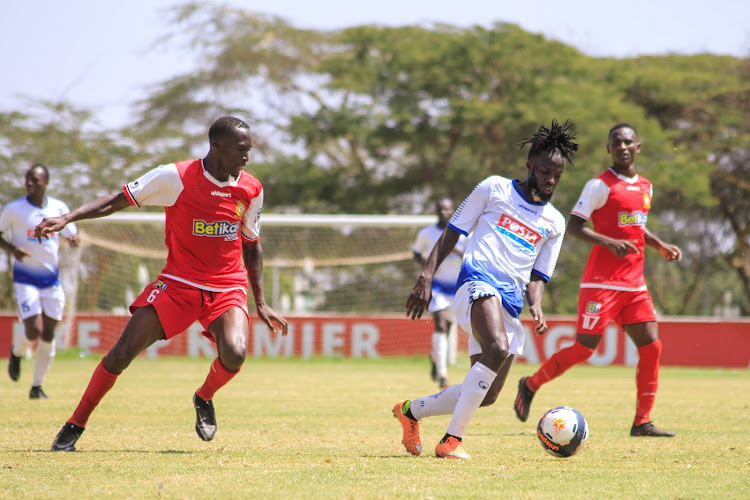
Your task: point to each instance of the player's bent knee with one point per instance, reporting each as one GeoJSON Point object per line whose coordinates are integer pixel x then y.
{"type": "Point", "coordinates": [232, 360]}
{"type": "Point", "coordinates": [497, 352]}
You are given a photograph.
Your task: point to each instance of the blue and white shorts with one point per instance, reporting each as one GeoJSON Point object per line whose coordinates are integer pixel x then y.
{"type": "Point", "coordinates": [33, 301]}
{"type": "Point", "coordinates": [441, 301]}
{"type": "Point", "coordinates": [465, 297]}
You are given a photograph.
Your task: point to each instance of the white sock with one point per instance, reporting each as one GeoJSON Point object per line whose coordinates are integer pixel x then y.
{"type": "Point", "coordinates": [442, 403]}
{"type": "Point", "coordinates": [20, 343]}
{"type": "Point", "coordinates": [440, 353]}
{"type": "Point", "coordinates": [45, 353]}
{"type": "Point", "coordinates": [473, 390]}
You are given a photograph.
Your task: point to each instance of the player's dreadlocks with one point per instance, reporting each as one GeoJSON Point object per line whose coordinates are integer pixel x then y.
{"type": "Point", "coordinates": [555, 138]}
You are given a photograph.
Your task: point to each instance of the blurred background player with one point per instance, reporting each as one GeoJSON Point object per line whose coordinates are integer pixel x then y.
{"type": "Point", "coordinates": [613, 287]}
{"type": "Point", "coordinates": [443, 287]}
{"type": "Point", "coordinates": [212, 209]}
{"type": "Point", "coordinates": [36, 282]}
{"type": "Point", "coordinates": [516, 236]}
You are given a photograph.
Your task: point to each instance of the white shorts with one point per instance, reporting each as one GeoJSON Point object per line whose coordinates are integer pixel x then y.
{"type": "Point", "coordinates": [441, 301]}
{"type": "Point", "coordinates": [465, 297]}
{"type": "Point", "coordinates": [33, 301]}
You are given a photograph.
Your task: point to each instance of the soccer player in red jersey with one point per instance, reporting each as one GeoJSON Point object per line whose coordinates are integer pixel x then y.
{"type": "Point", "coordinates": [613, 288]}
{"type": "Point", "coordinates": [212, 226]}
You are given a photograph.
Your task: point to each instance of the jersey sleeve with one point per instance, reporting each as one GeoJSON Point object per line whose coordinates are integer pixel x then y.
{"type": "Point", "coordinates": [160, 187]}
{"type": "Point", "coordinates": [546, 261]}
{"type": "Point", "coordinates": [593, 197]}
{"type": "Point", "coordinates": [251, 219]}
{"type": "Point", "coordinates": [467, 215]}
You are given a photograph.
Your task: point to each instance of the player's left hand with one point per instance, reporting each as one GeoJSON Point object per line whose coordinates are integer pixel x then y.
{"type": "Point", "coordinates": [541, 321]}
{"type": "Point", "coordinates": [671, 253]}
{"type": "Point", "coordinates": [419, 298]}
{"type": "Point", "coordinates": [47, 226]}
{"type": "Point", "coordinates": [273, 320]}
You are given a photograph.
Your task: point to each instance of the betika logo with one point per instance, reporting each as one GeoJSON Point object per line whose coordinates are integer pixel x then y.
{"type": "Point", "coordinates": [220, 229]}
{"type": "Point", "coordinates": [518, 232]}
{"type": "Point", "coordinates": [593, 307]}
{"type": "Point", "coordinates": [632, 219]}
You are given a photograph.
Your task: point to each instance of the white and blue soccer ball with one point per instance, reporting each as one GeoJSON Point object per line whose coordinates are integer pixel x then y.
{"type": "Point", "coordinates": [562, 431]}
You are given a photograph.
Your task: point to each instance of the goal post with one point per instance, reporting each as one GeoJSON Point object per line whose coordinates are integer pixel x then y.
{"type": "Point", "coordinates": [313, 264]}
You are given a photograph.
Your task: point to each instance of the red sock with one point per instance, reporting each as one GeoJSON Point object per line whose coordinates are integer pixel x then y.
{"type": "Point", "coordinates": [558, 364]}
{"type": "Point", "coordinates": [217, 378]}
{"type": "Point", "coordinates": [101, 382]}
{"type": "Point", "coordinates": [646, 381]}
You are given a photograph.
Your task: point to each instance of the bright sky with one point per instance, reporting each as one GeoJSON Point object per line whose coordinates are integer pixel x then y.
{"type": "Point", "coordinates": [96, 54]}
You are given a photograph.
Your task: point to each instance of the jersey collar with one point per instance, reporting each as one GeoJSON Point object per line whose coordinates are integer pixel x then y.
{"type": "Point", "coordinates": [520, 193]}
{"type": "Point", "coordinates": [629, 180]}
{"type": "Point", "coordinates": [231, 181]}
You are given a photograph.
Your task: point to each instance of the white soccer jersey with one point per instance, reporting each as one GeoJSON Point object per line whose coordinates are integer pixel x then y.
{"type": "Point", "coordinates": [17, 222]}
{"type": "Point", "coordinates": [447, 274]}
{"type": "Point", "coordinates": [511, 238]}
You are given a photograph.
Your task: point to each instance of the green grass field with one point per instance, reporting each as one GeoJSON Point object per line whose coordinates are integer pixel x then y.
{"type": "Point", "coordinates": [324, 429]}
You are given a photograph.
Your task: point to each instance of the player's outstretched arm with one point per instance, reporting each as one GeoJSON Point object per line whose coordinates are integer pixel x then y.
{"type": "Point", "coordinates": [419, 298]}
{"type": "Point", "coordinates": [100, 207]}
{"type": "Point", "coordinates": [252, 255]}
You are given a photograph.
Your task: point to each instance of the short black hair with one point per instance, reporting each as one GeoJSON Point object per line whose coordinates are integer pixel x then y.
{"type": "Point", "coordinates": [39, 165]}
{"type": "Point", "coordinates": [555, 139]}
{"type": "Point", "coordinates": [224, 127]}
{"type": "Point", "coordinates": [622, 125]}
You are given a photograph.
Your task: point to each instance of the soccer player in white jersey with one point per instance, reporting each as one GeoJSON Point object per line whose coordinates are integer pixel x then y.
{"type": "Point", "coordinates": [36, 282]}
{"type": "Point", "coordinates": [443, 287]}
{"type": "Point", "coordinates": [516, 236]}
{"type": "Point", "coordinates": [212, 211]}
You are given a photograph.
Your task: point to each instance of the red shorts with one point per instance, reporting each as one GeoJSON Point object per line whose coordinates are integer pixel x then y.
{"type": "Point", "coordinates": [179, 305]}
{"type": "Point", "coordinates": [597, 307]}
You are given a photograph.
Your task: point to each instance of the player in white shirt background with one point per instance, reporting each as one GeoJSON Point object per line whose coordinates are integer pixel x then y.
{"type": "Point", "coordinates": [516, 236]}
{"type": "Point", "coordinates": [443, 286]}
{"type": "Point", "coordinates": [36, 281]}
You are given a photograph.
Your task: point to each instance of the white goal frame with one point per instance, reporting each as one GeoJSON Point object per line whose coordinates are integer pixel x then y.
{"type": "Point", "coordinates": [341, 221]}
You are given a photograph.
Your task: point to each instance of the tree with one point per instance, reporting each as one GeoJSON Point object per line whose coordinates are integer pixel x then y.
{"type": "Point", "coordinates": [373, 119]}
{"type": "Point", "coordinates": [730, 183]}
{"type": "Point", "coordinates": [83, 161]}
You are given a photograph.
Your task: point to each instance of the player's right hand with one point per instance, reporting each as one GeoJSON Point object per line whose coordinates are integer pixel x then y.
{"type": "Point", "coordinates": [419, 298]}
{"type": "Point", "coordinates": [621, 248]}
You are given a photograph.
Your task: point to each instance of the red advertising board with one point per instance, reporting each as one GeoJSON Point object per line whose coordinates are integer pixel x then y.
{"type": "Point", "coordinates": [687, 341]}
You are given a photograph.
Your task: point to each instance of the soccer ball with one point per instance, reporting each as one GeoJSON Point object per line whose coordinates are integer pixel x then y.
{"type": "Point", "coordinates": [562, 431]}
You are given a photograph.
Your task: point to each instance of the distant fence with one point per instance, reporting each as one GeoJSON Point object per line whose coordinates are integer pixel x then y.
{"type": "Point", "coordinates": [704, 342]}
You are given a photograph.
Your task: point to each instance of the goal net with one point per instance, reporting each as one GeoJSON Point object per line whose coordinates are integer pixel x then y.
{"type": "Point", "coordinates": [313, 264]}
